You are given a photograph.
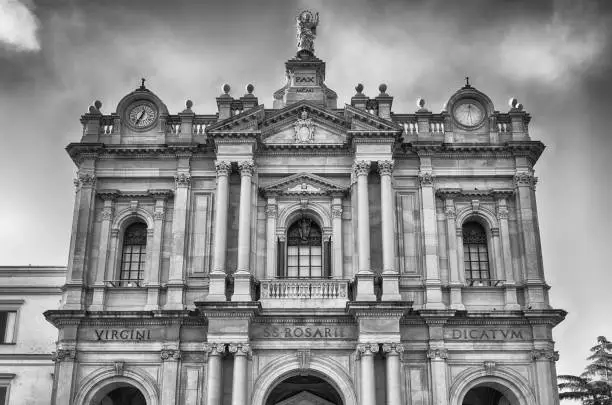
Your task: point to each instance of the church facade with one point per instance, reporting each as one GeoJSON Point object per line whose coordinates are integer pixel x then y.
{"type": "Point", "coordinates": [307, 253]}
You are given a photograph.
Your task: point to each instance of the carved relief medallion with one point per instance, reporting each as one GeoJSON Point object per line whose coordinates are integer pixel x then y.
{"type": "Point", "coordinates": [304, 128]}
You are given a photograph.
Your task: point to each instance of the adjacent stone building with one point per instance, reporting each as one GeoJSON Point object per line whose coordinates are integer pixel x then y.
{"type": "Point", "coordinates": [26, 339]}
{"type": "Point", "coordinates": [309, 253]}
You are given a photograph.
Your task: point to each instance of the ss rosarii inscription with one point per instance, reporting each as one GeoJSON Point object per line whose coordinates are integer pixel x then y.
{"type": "Point", "coordinates": [313, 332]}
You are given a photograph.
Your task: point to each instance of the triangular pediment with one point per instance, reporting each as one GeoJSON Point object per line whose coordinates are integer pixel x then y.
{"type": "Point", "coordinates": [304, 123]}
{"type": "Point", "coordinates": [305, 398]}
{"type": "Point", "coordinates": [363, 121]}
{"type": "Point", "coordinates": [247, 121]}
{"type": "Point", "coordinates": [303, 184]}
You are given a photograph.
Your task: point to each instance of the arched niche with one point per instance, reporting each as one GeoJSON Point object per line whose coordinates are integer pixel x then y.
{"type": "Point", "coordinates": [512, 386]}
{"type": "Point", "coordinates": [97, 385]}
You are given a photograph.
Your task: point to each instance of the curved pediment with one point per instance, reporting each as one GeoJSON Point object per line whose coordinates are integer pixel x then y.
{"type": "Point", "coordinates": [303, 184]}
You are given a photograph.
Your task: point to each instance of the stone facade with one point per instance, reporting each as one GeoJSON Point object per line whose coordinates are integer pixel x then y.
{"type": "Point", "coordinates": [26, 339]}
{"type": "Point", "coordinates": [384, 311]}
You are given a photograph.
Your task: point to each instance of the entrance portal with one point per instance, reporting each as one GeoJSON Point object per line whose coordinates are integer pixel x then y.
{"type": "Point", "coordinates": [304, 390]}
{"type": "Point", "coordinates": [126, 395]}
{"type": "Point", "coordinates": [483, 395]}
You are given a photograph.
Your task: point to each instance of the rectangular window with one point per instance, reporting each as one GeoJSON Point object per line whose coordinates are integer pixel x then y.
{"type": "Point", "coordinates": [3, 391]}
{"type": "Point", "coordinates": [7, 328]}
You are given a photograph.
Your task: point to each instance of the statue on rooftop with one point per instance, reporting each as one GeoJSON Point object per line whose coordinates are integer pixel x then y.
{"type": "Point", "coordinates": [307, 22]}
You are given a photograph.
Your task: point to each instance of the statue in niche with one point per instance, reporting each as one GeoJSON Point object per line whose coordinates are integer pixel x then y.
{"type": "Point", "coordinates": [304, 128]}
{"type": "Point", "coordinates": [307, 22]}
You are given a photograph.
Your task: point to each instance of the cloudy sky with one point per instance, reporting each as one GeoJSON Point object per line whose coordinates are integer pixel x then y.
{"type": "Point", "coordinates": [57, 57]}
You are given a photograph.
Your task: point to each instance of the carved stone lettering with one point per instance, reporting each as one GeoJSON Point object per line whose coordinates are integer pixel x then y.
{"type": "Point", "coordinates": [122, 334]}
{"type": "Point", "coordinates": [311, 332]}
{"type": "Point", "coordinates": [488, 333]}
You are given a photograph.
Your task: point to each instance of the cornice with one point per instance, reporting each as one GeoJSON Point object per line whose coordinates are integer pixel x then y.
{"type": "Point", "coordinates": [530, 149]}
{"type": "Point", "coordinates": [264, 148]}
{"type": "Point", "coordinates": [79, 151]}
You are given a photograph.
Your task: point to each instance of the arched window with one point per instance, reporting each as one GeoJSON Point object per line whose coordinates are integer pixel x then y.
{"type": "Point", "coordinates": [475, 254]}
{"type": "Point", "coordinates": [304, 249]}
{"type": "Point", "coordinates": [133, 255]}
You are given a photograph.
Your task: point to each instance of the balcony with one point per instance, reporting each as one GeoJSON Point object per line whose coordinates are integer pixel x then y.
{"type": "Point", "coordinates": [304, 293]}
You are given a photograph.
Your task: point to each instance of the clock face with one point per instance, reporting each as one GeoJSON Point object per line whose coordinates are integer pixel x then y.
{"type": "Point", "coordinates": [469, 113]}
{"type": "Point", "coordinates": [142, 115]}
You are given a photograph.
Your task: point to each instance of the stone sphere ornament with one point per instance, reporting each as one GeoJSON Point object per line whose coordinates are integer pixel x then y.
{"type": "Point", "coordinates": [359, 88]}
{"type": "Point", "coordinates": [226, 88]}
{"type": "Point", "coordinates": [189, 104]}
{"type": "Point", "coordinates": [382, 88]}
{"type": "Point", "coordinates": [421, 103]}
{"type": "Point", "coordinates": [250, 88]}
{"type": "Point", "coordinates": [98, 104]}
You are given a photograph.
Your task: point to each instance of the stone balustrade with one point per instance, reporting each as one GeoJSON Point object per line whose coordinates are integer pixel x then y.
{"type": "Point", "coordinates": [305, 292]}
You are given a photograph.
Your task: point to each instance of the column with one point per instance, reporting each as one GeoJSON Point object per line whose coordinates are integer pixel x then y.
{"type": "Point", "coordinates": [97, 303]}
{"type": "Point", "coordinates": [437, 358]}
{"type": "Point", "coordinates": [368, 388]}
{"type": "Point", "coordinates": [536, 295]}
{"type": "Point", "coordinates": [242, 277]}
{"type": "Point", "coordinates": [170, 366]}
{"type": "Point", "coordinates": [81, 219]}
{"type": "Point", "coordinates": [271, 214]}
{"type": "Point", "coordinates": [179, 221]}
{"type": "Point", "coordinates": [390, 277]}
{"type": "Point", "coordinates": [214, 378]}
{"type": "Point", "coordinates": [154, 264]}
{"type": "Point", "coordinates": [64, 359]}
{"type": "Point", "coordinates": [364, 276]}
{"type": "Point", "coordinates": [506, 252]}
{"type": "Point", "coordinates": [239, 382]}
{"type": "Point", "coordinates": [394, 391]}
{"type": "Point", "coordinates": [432, 279]}
{"type": "Point", "coordinates": [456, 300]}
{"type": "Point", "coordinates": [216, 286]}
{"type": "Point", "coordinates": [338, 259]}
{"type": "Point", "coordinates": [545, 372]}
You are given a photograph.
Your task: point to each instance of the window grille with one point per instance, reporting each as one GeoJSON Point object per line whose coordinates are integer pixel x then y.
{"type": "Point", "coordinates": [476, 255]}
{"type": "Point", "coordinates": [133, 255]}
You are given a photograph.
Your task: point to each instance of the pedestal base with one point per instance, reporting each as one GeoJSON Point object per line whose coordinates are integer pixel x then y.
{"type": "Point", "coordinates": [390, 286]}
{"type": "Point", "coordinates": [364, 290]}
{"type": "Point", "coordinates": [97, 301]}
{"type": "Point", "coordinates": [174, 298]}
{"type": "Point", "coordinates": [242, 286]}
{"type": "Point", "coordinates": [456, 299]}
{"type": "Point", "coordinates": [216, 287]}
{"type": "Point", "coordinates": [152, 297]}
{"type": "Point", "coordinates": [433, 296]}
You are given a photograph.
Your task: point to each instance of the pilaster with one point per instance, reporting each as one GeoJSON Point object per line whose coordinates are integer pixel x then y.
{"type": "Point", "coordinates": [170, 356]}
{"type": "Point", "coordinates": [217, 277]}
{"type": "Point", "coordinates": [390, 277]}
{"type": "Point", "coordinates": [506, 253]}
{"type": "Point", "coordinates": [364, 276]}
{"type": "Point", "coordinates": [243, 277]}
{"type": "Point", "coordinates": [152, 275]}
{"type": "Point", "coordinates": [108, 197]}
{"type": "Point", "coordinates": [456, 299]}
{"type": "Point", "coordinates": [271, 216]}
{"type": "Point", "coordinates": [338, 258]}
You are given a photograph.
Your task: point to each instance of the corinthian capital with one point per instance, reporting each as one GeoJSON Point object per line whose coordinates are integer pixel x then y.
{"type": "Point", "coordinates": [85, 180]}
{"type": "Point", "coordinates": [182, 180]}
{"type": "Point", "coordinates": [385, 167]}
{"type": "Point", "coordinates": [247, 167]}
{"type": "Point", "coordinates": [361, 168]}
{"type": "Point", "coordinates": [223, 167]}
{"type": "Point", "coordinates": [64, 355]}
{"type": "Point", "coordinates": [271, 210]}
{"type": "Point", "coordinates": [426, 179]}
{"type": "Point", "coordinates": [525, 179]}
{"type": "Point", "coordinates": [240, 349]}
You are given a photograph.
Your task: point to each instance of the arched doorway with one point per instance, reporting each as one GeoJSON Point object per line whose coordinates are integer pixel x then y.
{"type": "Point", "coordinates": [489, 394]}
{"type": "Point", "coordinates": [304, 390]}
{"type": "Point", "coordinates": [119, 394]}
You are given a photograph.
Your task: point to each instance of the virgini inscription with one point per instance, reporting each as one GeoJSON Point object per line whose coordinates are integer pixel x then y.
{"type": "Point", "coordinates": [122, 334]}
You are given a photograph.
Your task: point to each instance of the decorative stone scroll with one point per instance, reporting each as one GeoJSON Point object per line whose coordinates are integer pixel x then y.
{"type": "Point", "coordinates": [437, 354]}
{"type": "Point", "coordinates": [502, 213]}
{"type": "Point", "coordinates": [170, 354]}
{"type": "Point", "coordinates": [337, 211]}
{"type": "Point", "coordinates": [64, 355]}
{"type": "Point", "coordinates": [393, 349]}
{"type": "Point", "coordinates": [215, 349]}
{"type": "Point", "coordinates": [240, 349]}
{"type": "Point", "coordinates": [303, 357]}
{"type": "Point", "coordinates": [366, 349]}
{"type": "Point", "coordinates": [119, 366]}
{"type": "Point", "coordinates": [85, 180]}
{"type": "Point", "coordinates": [182, 180]}
{"type": "Point", "coordinates": [107, 214]}
{"type": "Point", "coordinates": [271, 210]}
{"type": "Point", "coordinates": [545, 354]}
{"type": "Point", "coordinates": [159, 214]}
{"type": "Point", "coordinates": [489, 367]}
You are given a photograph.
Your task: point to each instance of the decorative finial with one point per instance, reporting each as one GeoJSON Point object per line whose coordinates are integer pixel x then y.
{"type": "Point", "coordinates": [421, 103]}
{"type": "Point", "coordinates": [519, 107]}
{"type": "Point", "coordinates": [382, 88]}
{"type": "Point", "coordinates": [467, 81]}
{"type": "Point", "coordinates": [359, 88]}
{"type": "Point", "coordinates": [226, 88]}
{"type": "Point", "coordinates": [98, 104]}
{"type": "Point", "coordinates": [512, 102]}
{"type": "Point", "coordinates": [189, 104]}
{"type": "Point", "coordinates": [307, 22]}
{"type": "Point", "coordinates": [142, 86]}
{"type": "Point", "coordinates": [250, 88]}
